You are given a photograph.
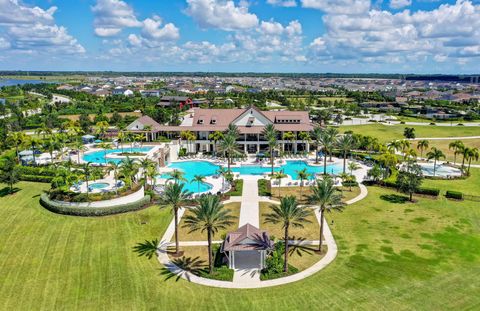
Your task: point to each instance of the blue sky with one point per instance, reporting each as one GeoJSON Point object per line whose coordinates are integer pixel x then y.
{"type": "Point", "coordinates": [389, 36]}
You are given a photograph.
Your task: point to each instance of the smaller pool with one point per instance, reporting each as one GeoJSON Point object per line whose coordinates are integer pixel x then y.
{"type": "Point", "coordinates": [440, 170]}
{"type": "Point", "coordinates": [99, 185]}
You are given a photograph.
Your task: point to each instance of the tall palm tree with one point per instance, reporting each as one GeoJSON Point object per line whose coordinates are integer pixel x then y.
{"type": "Point", "coordinates": [115, 166]}
{"type": "Point", "coordinates": [209, 215]}
{"type": "Point", "coordinates": [333, 133]}
{"type": "Point", "coordinates": [51, 145]}
{"type": "Point", "coordinates": [101, 128]}
{"type": "Point", "coordinates": [215, 137]}
{"type": "Point", "coordinates": [422, 146]}
{"type": "Point", "coordinates": [317, 134]}
{"type": "Point", "coordinates": [288, 213]}
{"type": "Point", "coordinates": [436, 155]}
{"type": "Point", "coordinates": [271, 134]}
{"type": "Point", "coordinates": [174, 195]}
{"type": "Point", "coordinates": [289, 136]}
{"type": "Point", "coordinates": [229, 147]}
{"type": "Point", "coordinates": [405, 145]}
{"type": "Point", "coordinates": [302, 175]}
{"type": "Point", "coordinates": [394, 146]}
{"type": "Point", "coordinates": [222, 172]}
{"type": "Point", "coordinates": [345, 144]}
{"type": "Point", "coordinates": [199, 179]}
{"type": "Point", "coordinates": [353, 166]}
{"type": "Point", "coordinates": [16, 139]}
{"type": "Point", "coordinates": [87, 170]}
{"type": "Point", "coordinates": [145, 165]}
{"type": "Point", "coordinates": [232, 130]}
{"type": "Point", "coordinates": [34, 142]}
{"type": "Point", "coordinates": [305, 137]}
{"type": "Point", "coordinates": [457, 147]}
{"type": "Point", "coordinates": [327, 142]}
{"type": "Point", "coordinates": [122, 137]}
{"type": "Point", "coordinates": [472, 154]}
{"type": "Point", "coordinates": [325, 196]}
{"type": "Point", "coordinates": [279, 176]}
{"type": "Point", "coordinates": [177, 176]}
{"type": "Point", "coordinates": [129, 169]}
{"type": "Point", "coordinates": [105, 146]}
{"type": "Point", "coordinates": [79, 147]}
{"type": "Point", "coordinates": [189, 136]}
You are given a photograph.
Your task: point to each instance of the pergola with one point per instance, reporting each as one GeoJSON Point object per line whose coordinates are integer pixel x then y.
{"type": "Point", "coordinates": [247, 247]}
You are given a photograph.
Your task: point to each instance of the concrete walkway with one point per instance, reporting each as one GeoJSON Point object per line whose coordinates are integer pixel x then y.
{"type": "Point", "coordinates": [248, 271]}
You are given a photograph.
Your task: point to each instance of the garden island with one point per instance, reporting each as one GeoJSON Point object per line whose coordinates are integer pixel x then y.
{"type": "Point", "coordinates": [162, 199]}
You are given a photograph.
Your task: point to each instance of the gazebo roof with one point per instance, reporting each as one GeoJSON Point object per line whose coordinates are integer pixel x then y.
{"type": "Point", "coordinates": [247, 238]}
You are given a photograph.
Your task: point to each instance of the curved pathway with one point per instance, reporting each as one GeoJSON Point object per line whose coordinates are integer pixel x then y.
{"type": "Point", "coordinates": [249, 213]}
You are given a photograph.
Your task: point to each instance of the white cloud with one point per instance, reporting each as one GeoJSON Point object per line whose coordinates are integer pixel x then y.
{"type": "Point", "coordinates": [398, 4]}
{"type": "Point", "coordinates": [350, 7]}
{"type": "Point", "coordinates": [222, 14]}
{"type": "Point", "coordinates": [33, 30]}
{"type": "Point", "coordinates": [152, 30]}
{"type": "Point", "coordinates": [451, 29]}
{"type": "Point", "coordinates": [284, 3]}
{"type": "Point", "coordinates": [111, 16]}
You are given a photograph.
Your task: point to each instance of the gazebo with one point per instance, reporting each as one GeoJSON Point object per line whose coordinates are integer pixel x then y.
{"type": "Point", "coordinates": [247, 248]}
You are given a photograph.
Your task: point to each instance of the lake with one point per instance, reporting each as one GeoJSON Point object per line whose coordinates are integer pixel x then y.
{"type": "Point", "coordinates": [10, 82]}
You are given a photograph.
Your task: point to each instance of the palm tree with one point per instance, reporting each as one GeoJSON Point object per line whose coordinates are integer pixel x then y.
{"type": "Point", "coordinates": [87, 170]}
{"type": "Point", "coordinates": [229, 147]}
{"type": "Point", "coordinates": [122, 137]}
{"type": "Point", "coordinates": [174, 195]}
{"type": "Point", "coordinates": [345, 144]}
{"type": "Point", "coordinates": [422, 146]}
{"type": "Point", "coordinates": [302, 175]}
{"type": "Point", "coordinates": [101, 128]}
{"type": "Point", "coordinates": [305, 137]}
{"type": "Point", "coordinates": [436, 155]}
{"type": "Point", "coordinates": [394, 146]}
{"type": "Point", "coordinates": [145, 165]}
{"type": "Point", "coordinates": [105, 146]}
{"type": "Point", "coordinates": [353, 166]}
{"type": "Point", "coordinates": [44, 130]}
{"type": "Point", "coordinates": [51, 145]}
{"type": "Point", "coordinates": [34, 142]}
{"type": "Point", "coordinates": [232, 130]}
{"type": "Point", "coordinates": [279, 176]}
{"type": "Point", "coordinates": [222, 172]}
{"type": "Point", "coordinates": [289, 136]}
{"type": "Point", "coordinates": [327, 142]}
{"type": "Point", "coordinates": [177, 176]}
{"type": "Point", "coordinates": [288, 213]}
{"type": "Point", "coordinates": [79, 147]}
{"type": "Point", "coordinates": [405, 145]}
{"type": "Point", "coordinates": [189, 136]}
{"type": "Point", "coordinates": [215, 137]}
{"type": "Point", "coordinates": [211, 216]}
{"type": "Point", "coordinates": [199, 179]}
{"type": "Point", "coordinates": [324, 194]}
{"type": "Point", "coordinates": [16, 139]}
{"type": "Point", "coordinates": [472, 154]}
{"type": "Point", "coordinates": [271, 134]}
{"type": "Point", "coordinates": [333, 133]}
{"type": "Point", "coordinates": [129, 169]}
{"type": "Point", "coordinates": [115, 167]}
{"type": "Point", "coordinates": [457, 147]}
{"type": "Point", "coordinates": [317, 134]}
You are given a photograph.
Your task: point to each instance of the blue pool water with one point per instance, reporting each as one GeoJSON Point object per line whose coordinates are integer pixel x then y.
{"type": "Point", "coordinates": [99, 156]}
{"type": "Point", "coordinates": [192, 168]}
{"type": "Point", "coordinates": [440, 170]}
{"type": "Point", "coordinates": [98, 185]}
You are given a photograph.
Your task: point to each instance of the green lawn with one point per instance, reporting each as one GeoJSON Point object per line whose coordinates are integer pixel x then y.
{"type": "Point", "coordinates": [470, 185]}
{"type": "Point", "coordinates": [423, 256]}
{"type": "Point", "coordinates": [386, 133]}
{"type": "Point", "coordinates": [449, 154]}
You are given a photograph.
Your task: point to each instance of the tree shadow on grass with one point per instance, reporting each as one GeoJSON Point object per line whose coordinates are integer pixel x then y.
{"type": "Point", "coordinates": [6, 191]}
{"type": "Point", "coordinates": [394, 198]}
{"type": "Point", "coordinates": [194, 265]}
{"type": "Point", "coordinates": [147, 248]}
{"type": "Point", "coordinates": [300, 249]}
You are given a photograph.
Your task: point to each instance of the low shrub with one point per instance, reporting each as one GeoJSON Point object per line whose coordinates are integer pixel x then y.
{"type": "Point", "coordinates": [457, 195]}
{"type": "Point", "coordinates": [65, 209]}
{"type": "Point", "coordinates": [402, 122]}
{"type": "Point", "coordinates": [264, 188]}
{"type": "Point", "coordinates": [237, 188]}
{"type": "Point", "coordinates": [274, 264]}
{"type": "Point", "coordinates": [350, 184]}
{"type": "Point", "coordinates": [36, 178]}
{"type": "Point", "coordinates": [428, 191]}
{"type": "Point", "coordinates": [460, 124]}
{"type": "Point", "coordinates": [433, 123]}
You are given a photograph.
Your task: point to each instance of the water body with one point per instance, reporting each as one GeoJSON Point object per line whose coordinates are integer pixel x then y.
{"type": "Point", "coordinates": [12, 82]}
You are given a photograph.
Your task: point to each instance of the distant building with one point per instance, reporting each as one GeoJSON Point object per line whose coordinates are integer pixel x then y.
{"type": "Point", "coordinates": [151, 93]}
{"type": "Point", "coordinates": [181, 101]}
{"type": "Point", "coordinates": [122, 91]}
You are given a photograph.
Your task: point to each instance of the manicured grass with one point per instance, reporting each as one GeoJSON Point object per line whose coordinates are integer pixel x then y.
{"type": "Point", "coordinates": [305, 256]}
{"type": "Point", "coordinates": [185, 235]}
{"type": "Point", "coordinates": [302, 194]}
{"type": "Point", "coordinates": [423, 256]}
{"type": "Point", "coordinates": [443, 145]}
{"type": "Point", "coordinates": [310, 231]}
{"type": "Point", "coordinates": [237, 189]}
{"type": "Point", "coordinates": [386, 133]}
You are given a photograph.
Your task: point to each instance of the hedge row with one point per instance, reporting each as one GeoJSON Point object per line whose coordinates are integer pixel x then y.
{"type": "Point", "coordinates": [36, 178]}
{"type": "Point", "coordinates": [60, 208]}
{"type": "Point", "coordinates": [425, 191]}
{"type": "Point", "coordinates": [457, 195]}
{"type": "Point", "coordinates": [36, 170]}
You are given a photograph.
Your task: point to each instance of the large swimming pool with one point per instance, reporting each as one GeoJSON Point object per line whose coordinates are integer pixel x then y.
{"type": "Point", "coordinates": [440, 170]}
{"type": "Point", "coordinates": [192, 168]}
{"type": "Point", "coordinates": [99, 156]}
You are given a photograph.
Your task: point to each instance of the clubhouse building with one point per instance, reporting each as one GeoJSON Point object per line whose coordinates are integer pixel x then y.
{"type": "Point", "coordinates": [250, 122]}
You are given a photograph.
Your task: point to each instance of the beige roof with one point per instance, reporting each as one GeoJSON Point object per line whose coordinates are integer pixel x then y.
{"type": "Point", "coordinates": [247, 237]}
